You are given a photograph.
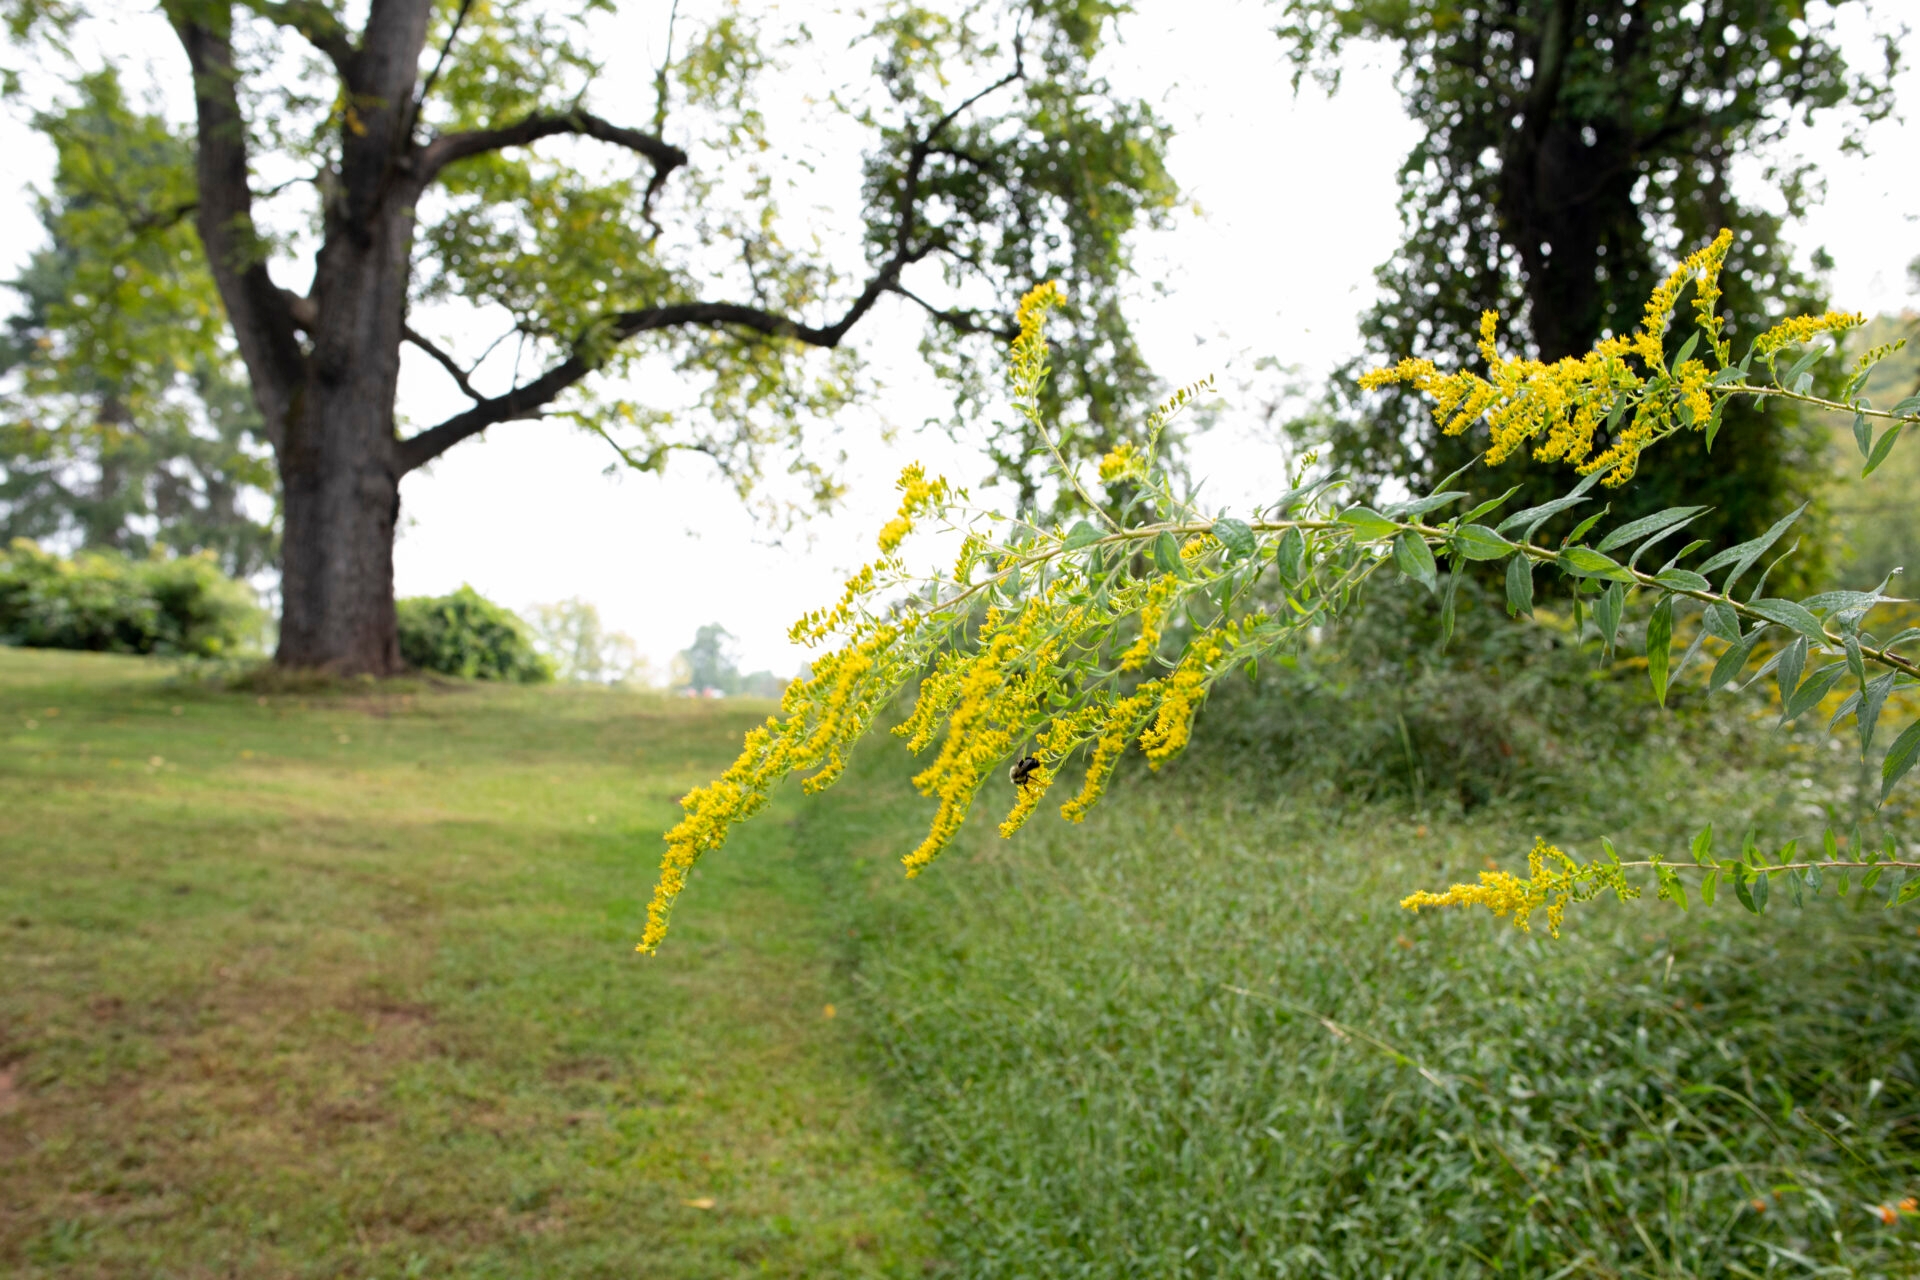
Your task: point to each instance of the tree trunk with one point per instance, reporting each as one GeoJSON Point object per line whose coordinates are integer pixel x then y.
{"type": "Point", "coordinates": [336, 575]}
{"type": "Point", "coordinates": [338, 468]}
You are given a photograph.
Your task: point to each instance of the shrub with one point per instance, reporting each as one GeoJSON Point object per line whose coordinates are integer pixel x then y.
{"type": "Point", "coordinates": [466, 634]}
{"type": "Point", "coordinates": [105, 602]}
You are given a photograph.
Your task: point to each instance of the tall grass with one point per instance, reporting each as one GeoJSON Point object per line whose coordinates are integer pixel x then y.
{"type": "Point", "coordinates": [1195, 1037]}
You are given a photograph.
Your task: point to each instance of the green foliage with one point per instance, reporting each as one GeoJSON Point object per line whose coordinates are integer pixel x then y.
{"type": "Point", "coordinates": [1045, 174]}
{"type": "Point", "coordinates": [1568, 148]}
{"type": "Point", "coordinates": [1192, 1039]}
{"type": "Point", "coordinates": [1374, 710]}
{"type": "Point", "coordinates": [1062, 646]}
{"type": "Point", "coordinates": [128, 425]}
{"type": "Point", "coordinates": [1876, 520]}
{"type": "Point", "coordinates": [465, 634]}
{"type": "Point", "coordinates": [107, 602]}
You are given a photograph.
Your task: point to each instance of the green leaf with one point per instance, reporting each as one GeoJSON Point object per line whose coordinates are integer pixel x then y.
{"type": "Point", "coordinates": [1709, 887]}
{"type": "Point", "coordinates": [1811, 690]}
{"type": "Point", "coordinates": [1900, 758]}
{"type": "Point", "coordinates": [1713, 421]}
{"type": "Point", "coordinates": [1703, 846]}
{"type": "Point", "coordinates": [1686, 349]}
{"type": "Point", "coordinates": [1490, 504]}
{"type": "Point", "coordinates": [1800, 366]}
{"type": "Point", "coordinates": [1533, 517]}
{"type": "Point", "coordinates": [1367, 524]}
{"type": "Point", "coordinates": [1607, 611]}
{"type": "Point", "coordinates": [1082, 534]}
{"type": "Point", "coordinates": [1415, 558]}
{"type": "Point", "coordinates": [1420, 506]}
{"type": "Point", "coordinates": [1584, 563]}
{"type": "Point", "coordinates": [1446, 609]}
{"type": "Point", "coordinates": [1733, 660]}
{"type": "Point", "coordinates": [1908, 891]}
{"type": "Point", "coordinates": [1873, 696]}
{"type": "Point", "coordinates": [1863, 434]}
{"type": "Point", "coordinates": [1791, 663]}
{"type": "Point", "coordinates": [1744, 891]}
{"type": "Point", "coordinates": [1290, 557]}
{"type": "Point", "coordinates": [1722, 621]}
{"type": "Point", "coordinates": [1166, 554]}
{"type": "Point", "coordinates": [1742, 557]}
{"type": "Point", "coordinates": [1520, 586]}
{"type": "Point", "coordinates": [1660, 647]}
{"type": "Point", "coordinates": [1681, 580]}
{"type": "Point", "coordinates": [1762, 887]}
{"type": "Point", "coordinates": [1236, 536]}
{"type": "Point", "coordinates": [1907, 407]}
{"type": "Point", "coordinates": [1647, 524]}
{"type": "Point", "coordinates": [1580, 530]}
{"type": "Point", "coordinates": [1792, 616]}
{"type": "Point", "coordinates": [1883, 448]}
{"type": "Point", "coordinates": [1477, 542]}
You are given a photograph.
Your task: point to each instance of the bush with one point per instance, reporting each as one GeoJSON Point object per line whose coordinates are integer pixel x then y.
{"type": "Point", "coordinates": [1376, 708]}
{"type": "Point", "coordinates": [466, 634]}
{"type": "Point", "coordinates": [105, 602]}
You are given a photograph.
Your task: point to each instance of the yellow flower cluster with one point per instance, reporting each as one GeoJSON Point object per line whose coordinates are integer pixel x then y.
{"type": "Point", "coordinates": [990, 700]}
{"type": "Point", "coordinates": [1504, 893]}
{"type": "Point", "coordinates": [1805, 328]}
{"type": "Point", "coordinates": [1554, 879]}
{"type": "Point", "coordinates": [1028, 363]}
{"type": "Point", "coordinates": [1560, 405]}
{"type": "Point", "coordinates": [918, 494]}
{"type": "Point", "coordinates": [1153, 613]}
{"type": "Point", "coordinates": [1117, 727]}
{"type": "Point", "coordinates": [1124, 462]}
{"type": "Point", "coordinates": [1180, 695]}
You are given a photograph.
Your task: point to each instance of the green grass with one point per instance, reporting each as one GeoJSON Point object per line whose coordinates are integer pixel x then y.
{"type": "Point", "coordinates": [1195, 1037]}
{"type": "Point", "coordinates": [343, 985]}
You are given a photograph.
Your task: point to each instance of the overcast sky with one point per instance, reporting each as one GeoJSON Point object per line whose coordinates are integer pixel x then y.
{"type": "Point", "coordinates": [1291, 207]}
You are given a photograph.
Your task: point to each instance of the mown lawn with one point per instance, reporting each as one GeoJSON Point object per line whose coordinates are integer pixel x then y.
{"type": "Point", "coordinates": [343, 985]}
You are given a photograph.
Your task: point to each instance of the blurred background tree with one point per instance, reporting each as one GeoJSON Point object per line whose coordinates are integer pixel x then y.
{"type": "Point", "coordinates": [1573, 150]}
{"type": "Point", "coordinates": [571, 633]}
{"type": "Point", "coordinates": [447, 159]}
{"type": "Point", "coordinates": [126, 423]}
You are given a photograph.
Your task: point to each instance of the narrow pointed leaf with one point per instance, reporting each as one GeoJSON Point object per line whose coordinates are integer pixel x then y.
{"type": "Point", "coordinates": [1660, 647]}
{"type": "Point", "coordinates": [1900, 758]}
{"type": "Point", "coordinates": [1520, 586]}
{"type": "Point", "coordinates": [1733, 660]}
{"type": "Point", "coordinates": [1645, 525]}
{"type": "Point", "coordinates": [1883, 447]}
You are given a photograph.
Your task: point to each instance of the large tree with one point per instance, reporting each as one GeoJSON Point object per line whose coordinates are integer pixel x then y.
{"type": "Point", "coordinates": [125, 422]}
{"type": "Point", "coordinates": [1573, 149]}
{"type": "Point", "coordinates": [454, 152]}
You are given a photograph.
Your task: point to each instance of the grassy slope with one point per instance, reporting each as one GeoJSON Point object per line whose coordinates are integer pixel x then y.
{"type": "Point", "coordinates": [1109, 1051]}
{"type": "Point", "coordinates": [344, 986]}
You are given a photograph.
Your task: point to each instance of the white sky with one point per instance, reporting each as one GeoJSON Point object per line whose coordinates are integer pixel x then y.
{"type": "Point", "coordinates": [1296, 207]}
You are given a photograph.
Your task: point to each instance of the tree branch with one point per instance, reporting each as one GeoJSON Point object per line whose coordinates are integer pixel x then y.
{"type": "Point", "coordinates": [448, 148]}
{"type": "Point", "coordinates": [444, 360]}
{"type": "Point", "coordinates": [528, 399]}
{"type": "Point", "coordinates": [314, 23]}
{"type": "Point", "coordinates": [263, 324]}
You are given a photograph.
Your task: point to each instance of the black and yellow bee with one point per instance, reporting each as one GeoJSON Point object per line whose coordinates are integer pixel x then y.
{"type": "Point", "coordinates": [1023, 768]}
